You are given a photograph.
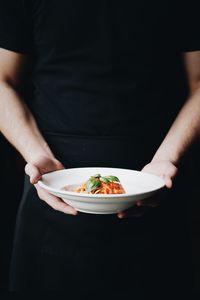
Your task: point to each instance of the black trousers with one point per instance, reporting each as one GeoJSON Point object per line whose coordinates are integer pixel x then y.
{"type": "Point", "coordinates": [89, 253]}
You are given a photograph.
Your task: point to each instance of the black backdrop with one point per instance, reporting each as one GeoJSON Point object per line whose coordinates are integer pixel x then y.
{"type": "Point", "coordinates": [11, 186]}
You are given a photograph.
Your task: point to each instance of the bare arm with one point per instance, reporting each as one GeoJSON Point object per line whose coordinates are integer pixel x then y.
{"type": "Point", "coordinates": [18, 125]}
{"type": "Point", "coordinates": [16, 121]}
{"type": "Point", "coordinates": [183, 132]}
{"type": "Point", "coordinates": [186, 127]}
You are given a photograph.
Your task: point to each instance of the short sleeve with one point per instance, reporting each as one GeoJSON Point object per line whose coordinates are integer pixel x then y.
{"type": "Point", "coordinates": [188, 26]}
{"type": "Point", "coordinates": [15, 33]}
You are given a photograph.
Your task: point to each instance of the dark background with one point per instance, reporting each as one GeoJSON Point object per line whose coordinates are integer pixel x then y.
{"type": "Point", "coordinates": [11, 186]}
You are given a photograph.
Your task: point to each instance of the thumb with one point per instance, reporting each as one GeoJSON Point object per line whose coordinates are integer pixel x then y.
{"type": "Point", "coordinates": [33, 172]}
{"type": "Point", "coordinates": [59, 165]}
{"type": "Point", "coordinates": [168, 182]}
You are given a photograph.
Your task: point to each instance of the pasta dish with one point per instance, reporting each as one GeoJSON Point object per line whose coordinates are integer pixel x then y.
{"type": "Point", "coordinates": [98, 184]}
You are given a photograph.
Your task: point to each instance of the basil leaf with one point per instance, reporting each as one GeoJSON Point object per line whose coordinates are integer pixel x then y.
{"type": "Point", "coordinates": [97, 175]}
{"type": "Point", "coordinates": [88, 186]}
{"type": "Point", "coordinates": [112, 178]}
{"type": "Point", "coordinates": [92, 184]}
{"type": "Point", "coordinates": [105, 179]}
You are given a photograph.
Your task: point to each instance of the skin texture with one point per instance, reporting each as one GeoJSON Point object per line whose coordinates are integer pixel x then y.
{"type": "Point", "coordinates": [22, 132]}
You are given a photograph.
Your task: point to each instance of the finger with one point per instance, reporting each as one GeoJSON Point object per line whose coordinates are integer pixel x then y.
{"type": "Point", "coordinates": [174, 172]}
{"type": "Point", "coordinates": [168, 182]}
{"type": "Point", "coordinates": [33, 172]}
{"type": "Point", "coordinates": [135, 212]}
{"type": "Point", "coordinates": [149, 203]}
{"type": "Point", "coordinates": [153, 201]}
{"type": "Point", "coordinates": [55, 202]}
{"type": "Point", "coordinates": [50, 165]}
{"type": "Point", "coordinates": [59, 165]}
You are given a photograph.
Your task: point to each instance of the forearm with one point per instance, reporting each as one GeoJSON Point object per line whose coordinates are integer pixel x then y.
{"type": "Point", "coordinates": [184, 130]}
{"type": "Point", "coordinates": [18, 125]}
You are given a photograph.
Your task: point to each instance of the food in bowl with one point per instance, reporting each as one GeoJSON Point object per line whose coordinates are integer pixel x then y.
{"type": "Point", "coordinates": [98, 184]}
{"type": "Point", "coordinates": [137, 185]}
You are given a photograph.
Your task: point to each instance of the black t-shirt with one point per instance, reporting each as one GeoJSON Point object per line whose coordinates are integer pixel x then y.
{"type": "Point", "coordinates": [104, 67]}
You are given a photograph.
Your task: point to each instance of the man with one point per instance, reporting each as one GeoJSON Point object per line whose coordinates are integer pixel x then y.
{"type": "Point", "coordinates": [108, 84]}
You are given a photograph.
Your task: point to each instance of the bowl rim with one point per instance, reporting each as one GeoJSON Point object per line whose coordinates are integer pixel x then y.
{"type": "Point", "coordinates": [85, 195]}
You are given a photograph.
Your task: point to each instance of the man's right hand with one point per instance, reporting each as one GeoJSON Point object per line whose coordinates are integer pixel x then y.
{"type": "Point", "coordinates": [35, 170]}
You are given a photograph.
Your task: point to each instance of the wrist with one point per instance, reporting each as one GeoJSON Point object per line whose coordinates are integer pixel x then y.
{"type": "Point", "coordinates": [33, 153]}
{"type": "Point", "coordinates": [174, 159]}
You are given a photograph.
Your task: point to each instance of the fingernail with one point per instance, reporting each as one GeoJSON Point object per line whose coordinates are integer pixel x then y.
{"type": "Point", "coordinates": [32, 181]}
{"type": "Point", "coordinates": [120, 216]}
{"type": "Point", "coordinates": [70, 211]}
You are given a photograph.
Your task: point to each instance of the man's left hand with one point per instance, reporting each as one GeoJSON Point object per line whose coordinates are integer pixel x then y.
{"type": "Point", "coordinates": [164, 169]}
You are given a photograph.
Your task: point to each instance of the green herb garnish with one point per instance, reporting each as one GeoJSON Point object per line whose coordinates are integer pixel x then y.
{"type": "Point", "coordinates": [92, 184]}
{"type": "Point", "coordinates": [112, 178]}
{"type": "Point", "coordinates": [97, 175]}
{"type": "Point", "coordinates": [105, 179]}
{"type": "Point", "coordinates": [95, 181]}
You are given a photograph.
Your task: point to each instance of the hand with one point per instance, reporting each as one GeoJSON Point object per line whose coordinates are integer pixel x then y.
{"type": "Point", "coordinates": [35, 170]}
{"type": "Point", "coordinates": [164, 169]}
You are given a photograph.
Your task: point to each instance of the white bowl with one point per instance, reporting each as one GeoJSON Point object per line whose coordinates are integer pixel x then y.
{"type": "Point", "coordinates": [138, 185]}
